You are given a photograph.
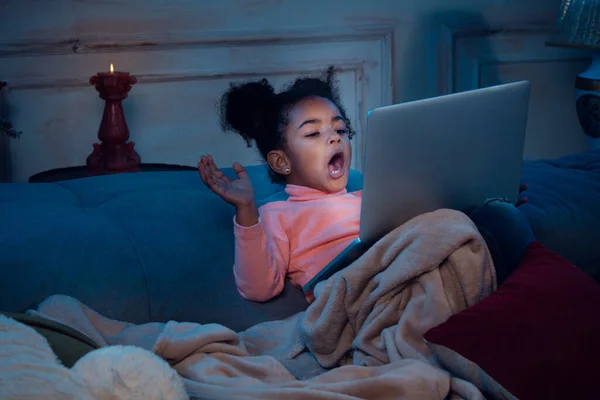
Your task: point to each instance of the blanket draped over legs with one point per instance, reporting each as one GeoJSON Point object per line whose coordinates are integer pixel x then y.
{"type": "Point", "coordinates": [362, 338]}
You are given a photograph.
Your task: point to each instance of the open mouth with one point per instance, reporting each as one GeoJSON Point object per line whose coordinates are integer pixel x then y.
{"type": "Point", "coordinates": [336, 165]}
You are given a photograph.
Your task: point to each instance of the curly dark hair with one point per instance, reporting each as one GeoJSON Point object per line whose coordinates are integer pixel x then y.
{"type": "Point", "coordinates": [257, 113]}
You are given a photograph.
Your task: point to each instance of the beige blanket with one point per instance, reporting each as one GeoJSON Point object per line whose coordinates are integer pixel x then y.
{"type": "Point", "coordinates": [362, 338]}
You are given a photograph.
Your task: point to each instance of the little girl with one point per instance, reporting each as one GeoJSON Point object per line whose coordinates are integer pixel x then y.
{"type": "Point", "coordinates": [303, 133]}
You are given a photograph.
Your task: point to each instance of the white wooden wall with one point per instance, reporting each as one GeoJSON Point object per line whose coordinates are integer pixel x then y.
{"type": "Point", "coordinates": [184, 53]}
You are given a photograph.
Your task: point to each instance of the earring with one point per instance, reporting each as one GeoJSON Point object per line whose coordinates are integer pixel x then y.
{"type": "Point", "coordinates": [287, 170]}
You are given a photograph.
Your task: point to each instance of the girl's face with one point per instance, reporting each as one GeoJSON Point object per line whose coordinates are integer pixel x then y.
{"type": "Point", "coordinates": [317, 147]}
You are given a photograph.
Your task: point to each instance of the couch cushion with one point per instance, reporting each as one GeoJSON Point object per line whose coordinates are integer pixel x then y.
{"type": "Point", "coordinates": [536, 337]}
{"type": "Point", "coordinates": [564, 207]}
{"type": "Point", "coordinates": [25, 193]}
{"type": "Point", "coordinates": [51, 247]}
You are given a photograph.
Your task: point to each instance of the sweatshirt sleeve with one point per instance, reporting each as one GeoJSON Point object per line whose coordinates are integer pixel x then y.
{"type": "Point", "coordinates": [261, 257]}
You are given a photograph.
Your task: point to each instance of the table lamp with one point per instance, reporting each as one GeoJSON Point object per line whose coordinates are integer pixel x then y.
{"type": "Point", "coordinates": [578, 26]}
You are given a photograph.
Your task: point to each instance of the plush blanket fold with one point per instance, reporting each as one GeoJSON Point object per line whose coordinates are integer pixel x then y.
{"type": "Point", "coordinates": [362, 338]}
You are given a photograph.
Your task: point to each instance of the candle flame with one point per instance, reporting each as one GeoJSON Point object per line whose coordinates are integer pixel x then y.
{"type": "Point", "coordinates": [112, 69]}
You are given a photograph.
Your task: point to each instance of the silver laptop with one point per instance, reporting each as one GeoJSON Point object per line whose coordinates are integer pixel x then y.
{"type": "Point", "coordinates": [452, 151]}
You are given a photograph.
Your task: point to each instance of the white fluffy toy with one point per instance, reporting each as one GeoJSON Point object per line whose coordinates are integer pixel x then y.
{"type": "Point", "coordinates": [30, 370]}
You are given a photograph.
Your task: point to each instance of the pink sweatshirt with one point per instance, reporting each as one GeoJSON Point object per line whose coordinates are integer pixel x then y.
{"type": "Point", "coordinates": [296, 238]}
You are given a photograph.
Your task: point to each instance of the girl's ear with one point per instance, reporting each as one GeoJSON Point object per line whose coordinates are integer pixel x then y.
{"type": "Point", "coordinates": [279, 162]}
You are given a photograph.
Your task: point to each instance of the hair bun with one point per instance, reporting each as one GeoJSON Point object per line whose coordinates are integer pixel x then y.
{"type": "Point", "coordinates": [246, 108]}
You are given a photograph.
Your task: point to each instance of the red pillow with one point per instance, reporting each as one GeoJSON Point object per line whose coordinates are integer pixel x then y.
{"type": "Point", "coordinates": [536, 337]}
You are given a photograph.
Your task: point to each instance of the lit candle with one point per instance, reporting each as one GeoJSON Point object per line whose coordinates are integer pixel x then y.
{"type": "Point", "coordinates": [115, 154]}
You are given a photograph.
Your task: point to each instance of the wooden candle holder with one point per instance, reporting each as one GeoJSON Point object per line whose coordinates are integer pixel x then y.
{"type": "Point", "coordinates": [114, 154]}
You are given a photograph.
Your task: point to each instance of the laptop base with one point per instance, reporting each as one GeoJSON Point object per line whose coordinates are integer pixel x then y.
{"type": "Point", "coordinates": [350, 254]}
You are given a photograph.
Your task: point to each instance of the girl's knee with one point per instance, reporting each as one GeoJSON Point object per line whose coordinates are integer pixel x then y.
{"type": "Point", "coordinates": [498, 211]}
{"type": "Point", "coordinates": [507, 232]}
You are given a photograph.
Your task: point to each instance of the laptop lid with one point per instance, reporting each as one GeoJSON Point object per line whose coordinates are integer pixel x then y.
{"type": "Point", "coordinates": [452, 151]}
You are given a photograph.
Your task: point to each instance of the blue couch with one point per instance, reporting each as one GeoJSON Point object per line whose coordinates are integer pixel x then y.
{"type": "Point", "coordinates": [158, 245]}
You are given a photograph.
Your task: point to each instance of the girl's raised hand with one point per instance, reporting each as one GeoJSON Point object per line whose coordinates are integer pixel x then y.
{"type": "Point", "coordinates": [237, 192]}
